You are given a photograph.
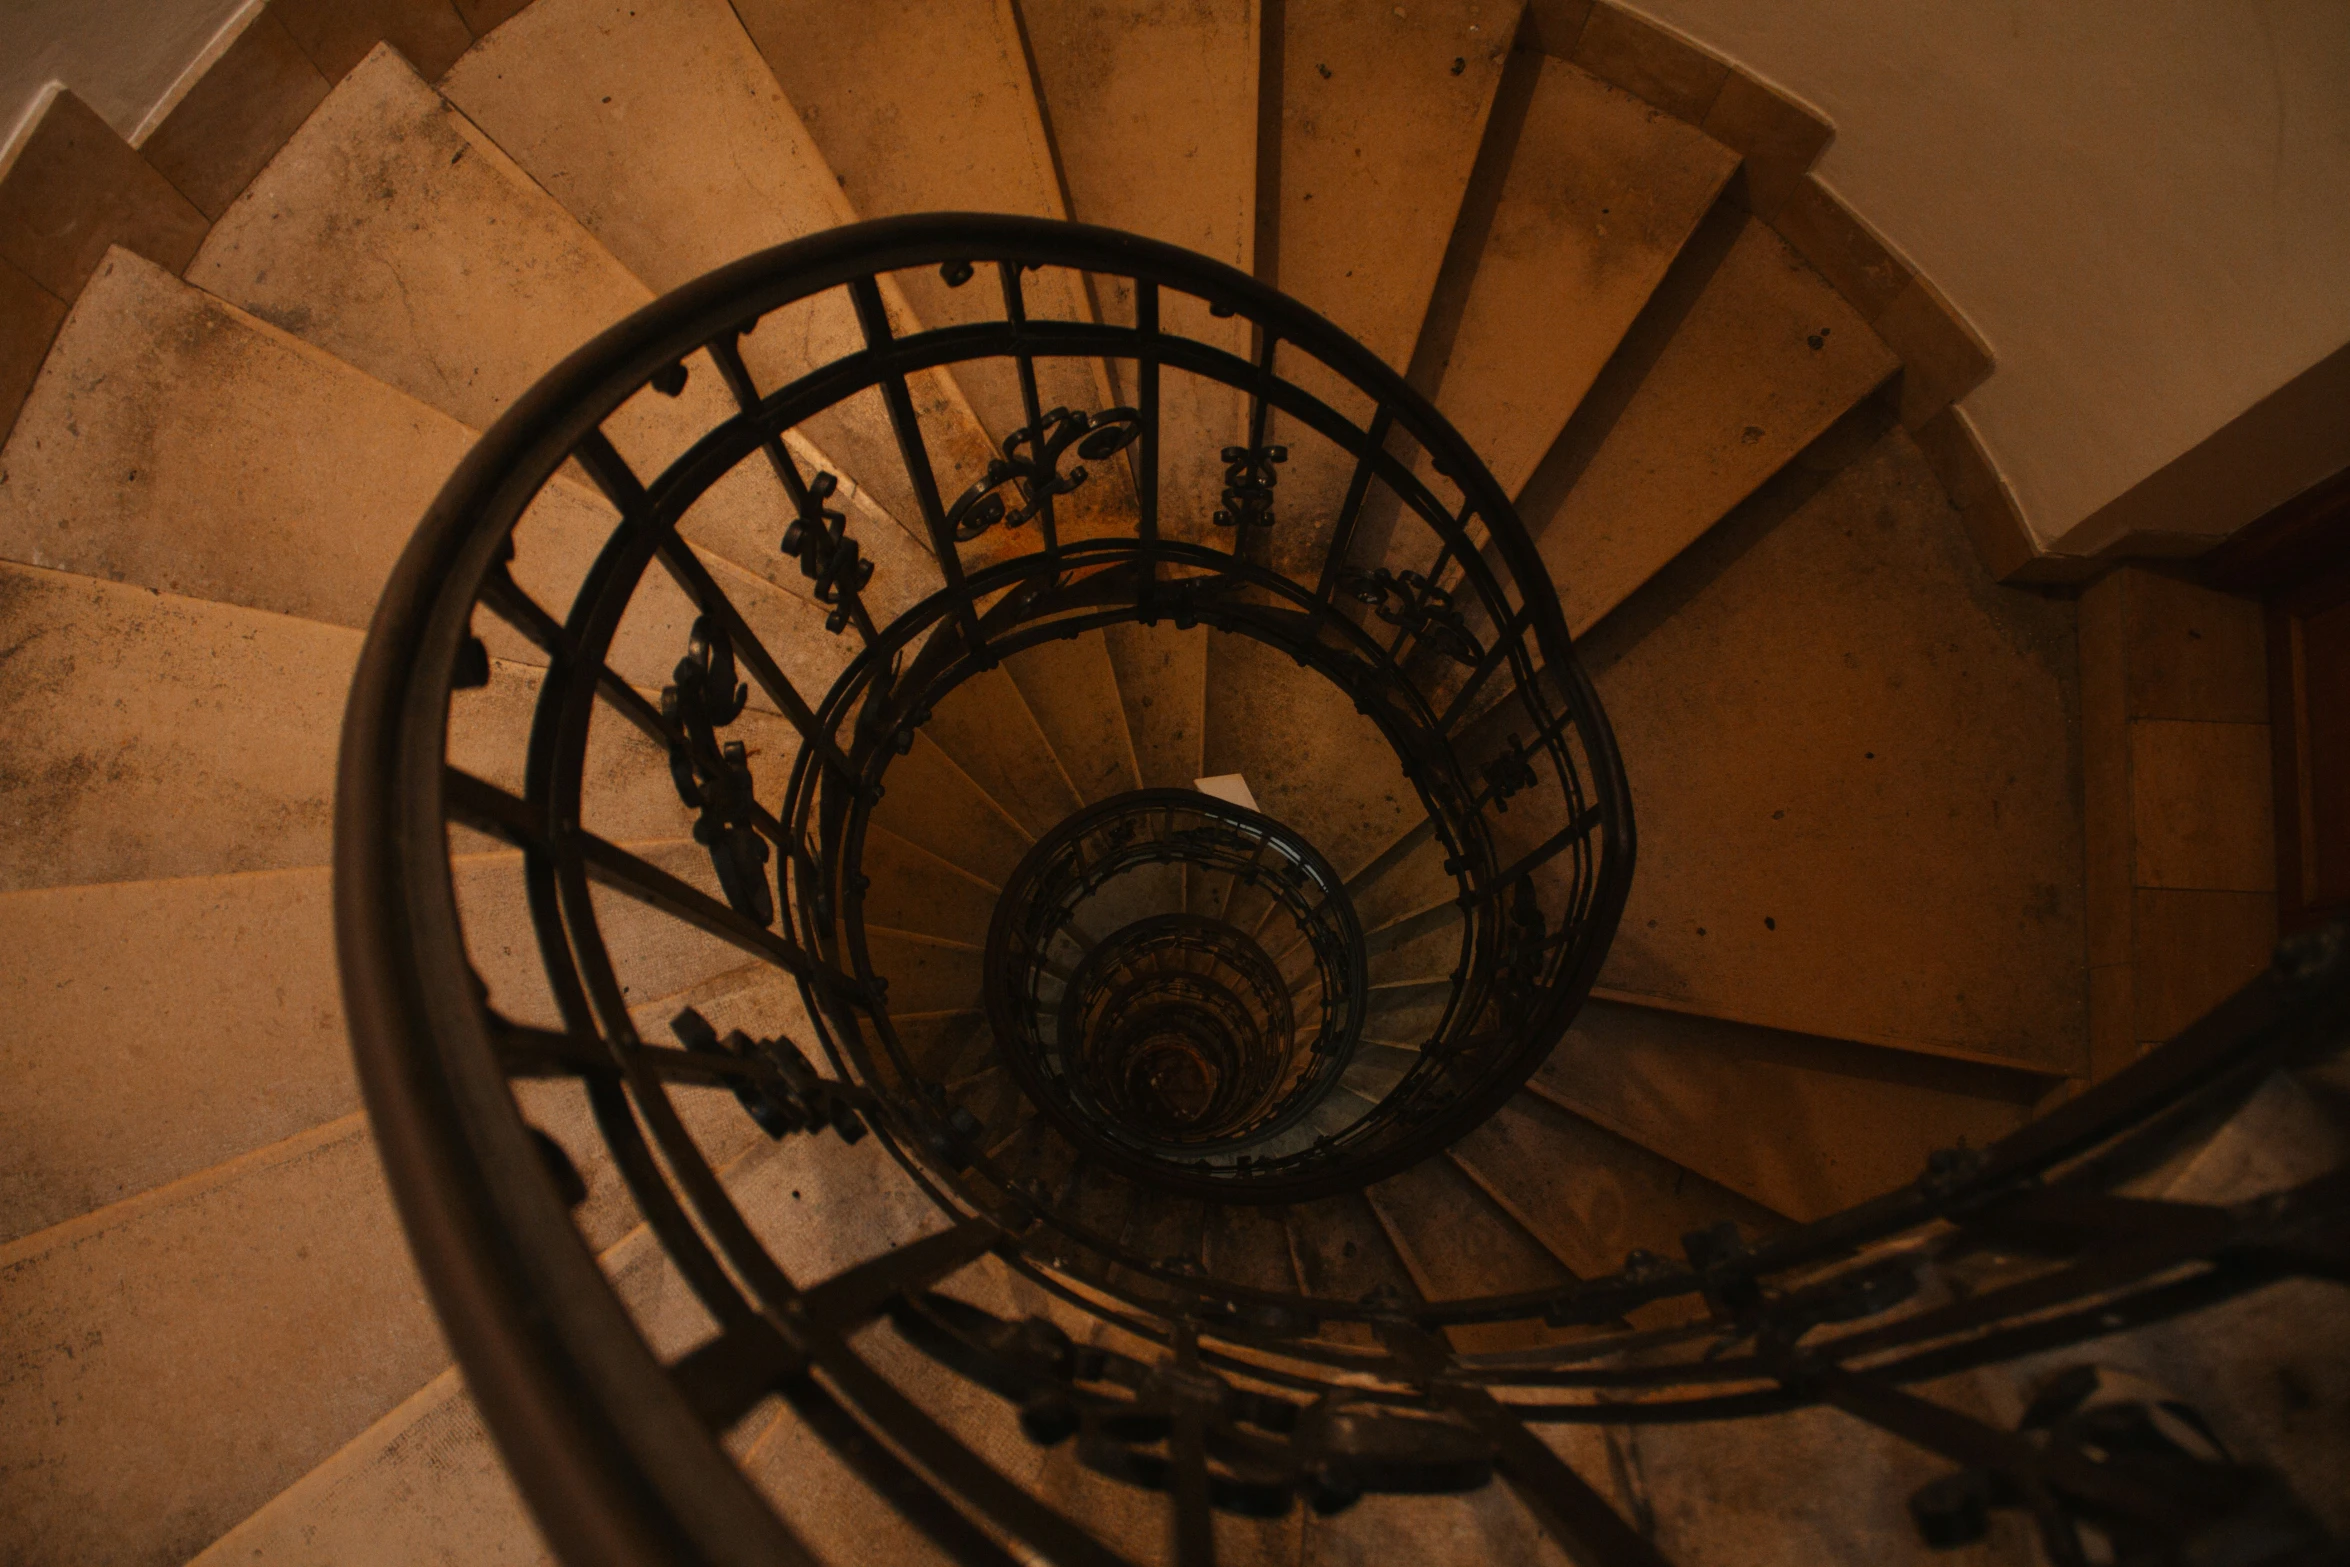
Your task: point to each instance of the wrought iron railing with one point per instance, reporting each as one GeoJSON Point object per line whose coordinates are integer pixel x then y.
{"type": "Point", "coordinates": [1436, 620]}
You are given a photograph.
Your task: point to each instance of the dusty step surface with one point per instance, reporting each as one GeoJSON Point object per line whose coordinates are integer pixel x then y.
{"type": "Point", "coordinates": [931, 802]}
{"type": "Point", "coordinates": [392, 234]}
{"type": "Point", "coordinates": [931, 108]}
{"type": "Point", "coordinates": [175, 1360]}
{"type": "Point", "coordinates": [1162, 684]}
{"type": "Point", "coordinates": [1311, 760]}
{"type": "Point", "coordinates": [1589, 1195]}
{"type": "Point", "coordinates": [1766, 357]}
{"type": "Point", "coordinates": [1803, 1125]}
{"type": "Point", "coordinates": [1071, 689]}
{"type": "Point", "coordinates": [1378, 134]}
{"type": "Point", "coordinates": [1153, 114]}
{"type": "Point", "coordinates": [178, 443]}
{"type": "Point", "coordinates": [661, 129]}
{"type": "Point", "coordinates": [1600, 193]}
{"type": "Point", "coordinates": [987, 727]}
{"type": "Point", "coordinates": [1873, 839]}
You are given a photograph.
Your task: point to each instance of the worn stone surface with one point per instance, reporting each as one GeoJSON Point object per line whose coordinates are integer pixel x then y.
{"type": "Point", "coordinates": [237, 115]}
{"type": "Point", "coordinates": [1162, 683]}
{"type": "Point", "coordinates": [124, 1001]}
{"type": "Point", "coordinates": [1804, 1126]}
{"type": "Point", "coordinates": [1766, 360]}
{"type": "Point", "coordinates": [985, 725]}
{"type": "Point", "coordinates": [930, 107]}
{"type": "Point", "coordinates": [1589, 1195]}
{"type": "Point", "coordinates": [1311, 760]}
{"type": "Point", "coordinates": [151, 735]}
{"type": "Point", "coordinates": [1601, 192]}
{"type": "Point", "coordinates": [73, 188]}
{"type": "Point", "coordinates": [1853, 760]}
{"type": "Point", "coordinates": [1459, 1243]}
{"type": "Point", "coordinates": [1153, 111]}
{"type": "Point", "coordinates": [1378, 135]}
{"type": "Point", "coordinates": [391, 233]}
{"type": "Point", "coordinates": [2202, 811]}
{"type": "Point", "coordinates": [174, 1361]}
{"type": "Point", "coordinates": [1664, 68]}
{"type": "Point", "coordinates": [659, 128]}
{"type": "Point", "coordinates": [933, 803]}
{"type": "Point", "coordinates": [1071, 690]}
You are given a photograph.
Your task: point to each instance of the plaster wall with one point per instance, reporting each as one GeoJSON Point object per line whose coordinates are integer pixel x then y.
{"type": "Point", "coordinates": [123, 57]}
{"type": "Point", "coordinates": [2142, 205]}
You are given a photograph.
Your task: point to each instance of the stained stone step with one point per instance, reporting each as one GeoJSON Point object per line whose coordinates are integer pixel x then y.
{"type": "Point", "coordinates": [1071, 690]}
{"type": "Point", "coordinates": [160, 736]}
{"type": "Point", "coordinates": [1767, 357]}
{"type": "Point", "coordinates": [1378, 134]}
{"type": "Point", "coordinates": [1600, 193]}
{"type": "Point", "coordinates": [245, 449]}
{"type": "Point", "coordinates": [1460, 1244]}
{"type": "Point", "coordinates": [176, 1360]}
{"type": "Point", "coordinates": [1343, 1253]}
{"type": "Point", "coordinates": [1249, 1245]}
{"type": "Point", "coordinates": [1162, 677]}
{"type": "Point", "coordinates": [1315, 764]}
{"type": "Point", "coordinates": [914, 890]}
{"type": "Point", "coordinates": [1154, 118]}
{"type": "Point", "coordinates": [1591, 1196]}
{"type": "Point", "coordinates": [930, 108]}
{"type": "Point", "coordinates": [932, 803]}
{"type": "Point", "coordinates": [1852, 760]}
{"type": "Point", "coordinates": [986, 726]}
{"type": "Point", "coordinates": [658, 126]}
{"type": "Point", "coordinates": [392, 234]}
{"type": "Point", "coordinates": [427, 1473]}
{"type": "Point", "coordinates": [1803, 1125]}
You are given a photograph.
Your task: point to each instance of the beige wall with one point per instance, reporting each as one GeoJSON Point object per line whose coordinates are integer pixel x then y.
{"type": "Point", "coordinates": [2142, 205]}
{"type": "Point", "coordinates": [122, 56]}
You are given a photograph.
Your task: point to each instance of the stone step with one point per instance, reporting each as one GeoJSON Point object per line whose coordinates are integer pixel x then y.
{"type": "Point", "coordinates": [427, 1472]}
{"type": "Point", "coordinates": [1378, 135]}
{"type": "Point", "coordinates": [1766, 357]}
{"type": "Point", "coordinates": [1803, 1125]}
{"type": "Point", "coordinates": [1591, 1196]}
{"type": "Point", "coordinates": [658, 126]}
{"type": "Point", "coordinates": [1314, 764]}
{"type": "Point", "coordinates": [1249, 1245]}
{"type": "Point", "coordinates": [1599, 194]}
{"type": "Point", "coordinates": [240, 440]}
{"type": "Point", "coordinates": [915, 890]}
{"type": "Point", "coordinates": [161, 736]}
{"type": "Point", "coordinates": [392, 234]}
{"type": "Point", "coordinates": [934, 804]}
{"type": "Point", "coordinates": [933, 109]}
{"type": "Point", "coordinates": [1162, 677]}
{"type": "Point", "coordinates": [1153, 115]}
{"type": "Point", "coordinates": [1070, 689]}
{"type": "Point", "coordinates": [1459, 1244]}
{"type": "Point", "coordinates": [170, 1025]}
{"type": "Point", "coordinates": [1856, 820]}
{"type": "Point", "coordinates": [986, 726]}
{"type": "Point", "coordinates": [926, 975]}
{"type": "Point", "coordinates": [1344, 1253]}
{"type": "Point", "coordinates": [176, 1360]}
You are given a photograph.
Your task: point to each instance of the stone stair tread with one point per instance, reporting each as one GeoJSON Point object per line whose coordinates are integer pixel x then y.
{"type": "Point", "coordinates": [1344, 1253]}
{"type": "Point", "coordinates": [1154, 115]}
{"type": "Point", "coordinates": [392, 234]}
{"type": "Point", "coordinates": [914, 890]}
{"type": "Point", "coordinates": [1250, 1245]}
{"type": "Point", "coordinates": [926, 976]}
{"type": "Point", "coordinates": [1738, 391]}
{"type": "Point", "coordinates": [1601, 192]}
{"type": "Point", "coordinates": [1071, 690]}
{"type": "Point", "coordinates": [934, 110]}
{"type": "Point", "coordinates": [1805, 1126]}
{"type": "Point", "coordinates": [1378, 136]}
{"type": "Point", "coordinates": [1858, 821]}
{"type": "Point", "coordinates": [142, 1318]}
{"type": "Point", "coordinates": [1459, 1243]}
{"type": "Point", "coordinates": [934, 804]}
{"type": "Point", "coordinates": [239, 439]}
{"type": "Point", "coordinates": [1162, 684]}
{"type": "Point", "coordinates": [1314, 764]}
{"type": "Point", "coordinates": [1590, 1195]}
{"type": "Point", "coordinates": [985, 725]}
{"type": "Point", "coordinates": [661, 129]}
{"type": "Point", "coordinates": [138, 748]}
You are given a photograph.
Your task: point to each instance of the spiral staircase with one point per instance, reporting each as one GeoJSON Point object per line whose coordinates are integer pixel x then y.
{"type": "Point", "coordinates": [983, 873]}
